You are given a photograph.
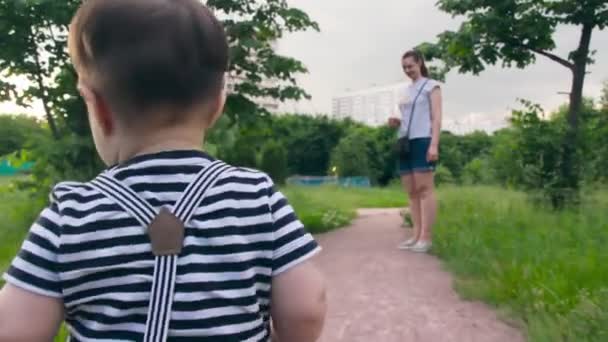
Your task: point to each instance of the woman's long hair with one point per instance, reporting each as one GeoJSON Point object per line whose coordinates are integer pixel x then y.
{"type": "Point", "coordinates": [417, 56]}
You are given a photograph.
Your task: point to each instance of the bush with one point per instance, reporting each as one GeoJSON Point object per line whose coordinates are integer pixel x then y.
{"type": "Point", "coordinates": [16, 131]}
{"type": "Point", "coordinates": [243, 153]}
{"type": "Point", "coordinates": [274, 161]}
{"type": "Point", "coordinates": [443, 175]}
{"type": "Point", "coordinates": [540, 155]}
{"type": "Point", "coordinates": [350, 157]}
{"type": "Point", "coordinates": [308, 140]}
{"type": "Point", "coordinates": [383, 155]}
{"type": "Point", "coordinates": [478, 171]}
{"type": "Point", "coordinates": [70, 158]}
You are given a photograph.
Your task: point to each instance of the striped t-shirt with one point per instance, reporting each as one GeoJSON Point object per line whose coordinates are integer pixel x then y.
{"type": "Point", "coordinates": [97, 258]}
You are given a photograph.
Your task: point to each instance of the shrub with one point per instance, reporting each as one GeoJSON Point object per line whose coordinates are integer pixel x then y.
{"type": "Point", "coordinates": [478, 171]}
{"type": "Point", "coordinates": [243, 153]}
{"type": "Point", "coordinates": [443, 175]}
{"type": "Point", "coordinates": [274, 161]}
{"type": "Point", "coordinates": [16, 131]}
{"type": "Point", "coordinates": [350, 157]}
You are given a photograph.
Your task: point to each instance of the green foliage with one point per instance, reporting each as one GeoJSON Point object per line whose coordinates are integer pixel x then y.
{"type": "Point", "coordinates": [458, 151]}
{"type": "Point", "coordinates": [274, 161]}
{"type": "Point", "coordinates": [594, 144]}
{"type": "Point", "coordinates": [17, 212]}
{"type": "Point", "coordinates": [510, 31]}
{"type": "Point", "coordinates": [539, 152]}
{"type": "Point", "coordinates": [16, 131]}
{"type": "Point", "coordinates": [477, 172]}
{"type": "Point", "coordinates": [63, 334]}
{"type": "Point", "coordinates": [546, 268]}
{"type": "Point", "coordinates": [351, 157]}
{"type": "Point", "coordinates": [309, 141]}
{"type": "Point", "coordinates": [383, 156]}
{"type": "Point", "coordinates": [71, 157]}
{"type": "Point", "coordinates": [514, 32]}
{"type": "Point", "coordinates": [243, 153]}
{"type": "Point", "coordinates": [507, 169]}
{"type": "Point", "coordinates": [443, 176]}
{"type": "Point", "coordinates": [34, 49]}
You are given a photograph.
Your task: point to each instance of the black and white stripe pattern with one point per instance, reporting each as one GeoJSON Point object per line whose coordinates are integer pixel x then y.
{"type": "Point", "coordinates": [165, 267]}
{"type": "Point", "coordinates": [88, 251]}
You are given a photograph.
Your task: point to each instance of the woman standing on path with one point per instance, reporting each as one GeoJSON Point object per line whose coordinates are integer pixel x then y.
{"type": "Point", "coordinates": [419, 131]}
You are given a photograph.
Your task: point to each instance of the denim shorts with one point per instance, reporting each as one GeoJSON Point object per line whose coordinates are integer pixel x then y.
{"type": "Point", "coordinates": [415, 160]}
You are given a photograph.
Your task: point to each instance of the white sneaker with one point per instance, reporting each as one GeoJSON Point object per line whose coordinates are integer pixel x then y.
{"type": "Point", "coordinates": [421, 247]}
{"type": "Point", "coordinates": [407, 244]}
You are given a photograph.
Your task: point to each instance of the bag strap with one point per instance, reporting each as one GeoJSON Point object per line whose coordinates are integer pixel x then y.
{"type": "Point", "coordinates": [165, 264]}
{"type": "Point", "coordinates": [409, 125]}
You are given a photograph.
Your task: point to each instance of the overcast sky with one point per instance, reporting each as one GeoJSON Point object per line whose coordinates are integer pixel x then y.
{"type": "Point", "coordinates": [361, 42]}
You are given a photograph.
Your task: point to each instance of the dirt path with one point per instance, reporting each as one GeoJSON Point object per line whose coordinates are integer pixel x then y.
{"type": "Point", "coordinates": [378, 293]}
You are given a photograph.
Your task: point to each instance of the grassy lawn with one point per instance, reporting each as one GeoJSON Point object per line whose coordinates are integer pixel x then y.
{"type": "Point", "coordinates": [325, 208]}
{"type": "Point", "coordinates": [14, 220]}
{"type": "Point", "coordinates": [546, 270]}
{"type": "Point", "coordinates": [5, 180]}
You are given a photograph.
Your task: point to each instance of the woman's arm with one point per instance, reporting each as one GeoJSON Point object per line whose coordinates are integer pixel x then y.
{"type": "Point", "coordinates": [436, 115]}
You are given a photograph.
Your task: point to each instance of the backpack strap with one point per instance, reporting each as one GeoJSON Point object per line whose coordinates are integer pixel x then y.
{"type": "Point", "coordinates": [166, 231]}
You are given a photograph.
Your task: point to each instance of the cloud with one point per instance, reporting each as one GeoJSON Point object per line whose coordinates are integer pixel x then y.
{"type": "Point", "coordinates": [361, 42]}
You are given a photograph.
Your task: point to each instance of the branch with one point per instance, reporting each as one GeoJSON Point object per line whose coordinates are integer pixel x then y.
{"type": "Point", "coordinates": [551, 56]}
{"type": "Point", "coordinates": [43, 91]}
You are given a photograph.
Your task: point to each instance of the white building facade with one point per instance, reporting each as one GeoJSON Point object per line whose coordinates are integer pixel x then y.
{"type": "Point", "coordinates": [372, 106]}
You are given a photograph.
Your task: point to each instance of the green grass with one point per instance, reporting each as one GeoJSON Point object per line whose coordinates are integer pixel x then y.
{"type": "Point", "coordinates": [546, 270]}
{"type": "Point", "coordinates": [15, 217]}
{"type": "Point", "coordinates": [325, 208]}
{"type": "Point", "coordinates": [5, 180]}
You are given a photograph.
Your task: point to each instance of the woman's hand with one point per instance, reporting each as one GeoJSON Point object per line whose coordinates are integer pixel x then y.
{"type": "Point", "coordinates": [433, 154]}
{"type": "Point", "coordinates": [394, 122]}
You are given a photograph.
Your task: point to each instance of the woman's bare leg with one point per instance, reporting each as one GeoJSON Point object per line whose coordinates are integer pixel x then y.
{"type": "Point", "coordinates": [409, 184]}
{"type": "Point", "coordinates": [425, 191]}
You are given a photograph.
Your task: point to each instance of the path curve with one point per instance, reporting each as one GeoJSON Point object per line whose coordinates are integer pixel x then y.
{"type": "Point", "coordinates": [381, 294]}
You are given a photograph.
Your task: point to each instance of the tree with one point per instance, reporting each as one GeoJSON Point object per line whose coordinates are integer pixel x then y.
{"type": "Point", "coordinates": [351, 157]}
{"type": "Point", "coordinates": [274, 161]}
{"type": "Point", "coordinates": [604, 98]}
{"type": "Point", "coordinates": [309, 141]}
{"type": "Point", "coordinates": [16, 131]}
{"type": "Point", "coordinates": [33, 48]}
{"type": "Point", "coordinates": [515, 32]}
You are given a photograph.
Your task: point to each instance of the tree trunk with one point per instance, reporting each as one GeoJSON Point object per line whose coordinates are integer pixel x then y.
{"type": "Point", "coordinates": [49, 116]}
{"type": "Point", "coordinates": [579, 72]}
{"type": "Point", "coordinates": [44, 94]}
{"type": "Point", "coordinates": [570, 177]}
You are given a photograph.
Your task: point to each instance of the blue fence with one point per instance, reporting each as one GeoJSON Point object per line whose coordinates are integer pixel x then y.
{"type": "Point", "coordinates": [361, 182]}
{"type": "Point", "coordinates": [8, 169]}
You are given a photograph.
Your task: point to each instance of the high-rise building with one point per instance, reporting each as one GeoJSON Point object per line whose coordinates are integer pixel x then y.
{"type": "Point", "coordinates": [270, 104]}
{"type": "Point", "coordinates": [372, 106]}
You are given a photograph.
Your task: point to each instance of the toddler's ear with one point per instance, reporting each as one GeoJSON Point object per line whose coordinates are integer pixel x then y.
{"type": "Point", "coordinates": [99, 110]}
{"type": "Point", "coordinates": [216, 106]}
